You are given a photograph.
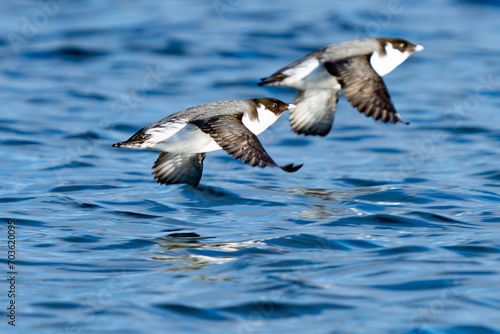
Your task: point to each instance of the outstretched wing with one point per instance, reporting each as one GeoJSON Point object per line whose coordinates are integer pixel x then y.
{"type": "Point", "coordinates": [364, 88]}
{"type": "Point", "coordinates": [314, 111]}
{"type": "Point", "coordinates": [173, 168]}
{"type": "Point", "coordinates": [294, 72]}
{"type": "Point", "coordinates": [229, 133]}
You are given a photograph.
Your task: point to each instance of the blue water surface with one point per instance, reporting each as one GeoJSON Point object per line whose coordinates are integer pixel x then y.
{"type": "Point", "coordinates": [386, 229]}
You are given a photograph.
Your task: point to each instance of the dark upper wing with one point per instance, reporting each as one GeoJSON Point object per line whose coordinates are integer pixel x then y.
{"type": "Point", "coordinates": [173, 168]}
{"type": "Point", "coordinates": [238, 141]}
{"type": "Point", "coordinates": [364, 88]}
{"type": "Point", "coordinates": [314, 112]}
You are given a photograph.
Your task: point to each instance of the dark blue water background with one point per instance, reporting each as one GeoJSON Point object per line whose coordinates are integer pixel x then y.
{"type": "Point", "coordinates": [386, 228]}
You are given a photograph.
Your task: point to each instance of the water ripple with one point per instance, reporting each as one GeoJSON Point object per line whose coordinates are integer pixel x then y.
{"type": "Point", "coordinates": [67, 53]}
{"type": "Point", "coordinates": [419, 285]}
{"type": "Point", "coordinates": [278, 310]}
{"type": "Point", "coordinates": [386, 228]}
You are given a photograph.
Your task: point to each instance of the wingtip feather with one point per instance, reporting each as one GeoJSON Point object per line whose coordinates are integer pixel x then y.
{"type": "Point", "coordinates": [290, 168]}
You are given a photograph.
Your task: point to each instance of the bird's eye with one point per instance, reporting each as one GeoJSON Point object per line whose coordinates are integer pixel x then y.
{"type": "Point", "coordinates": [402, 45]}
{"type": "Point", "coordinates": [275, 106]}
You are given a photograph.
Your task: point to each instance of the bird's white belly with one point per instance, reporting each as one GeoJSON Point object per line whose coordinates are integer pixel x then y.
{"type": "Point", "coordinates": [190, 139]}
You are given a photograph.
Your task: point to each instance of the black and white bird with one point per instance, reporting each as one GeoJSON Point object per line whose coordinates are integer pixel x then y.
{"type": "Point", "coordinates": [184, 137]}
{"type": "Point", "coordinates": [356, 68]}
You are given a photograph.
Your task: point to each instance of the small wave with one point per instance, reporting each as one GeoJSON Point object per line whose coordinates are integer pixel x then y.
{"type": "Point", "coordinates": [277, 310]}
{"type": "Point", "coordinates": [402, 250]}
{"type": "Point", "coordinates": [394, 196]}
{"type": "Point", "coordinates": [306, 241]}
{"type": "Point", "coordinates": [419, 285]}
{"type": "Point", "coordinates": [87, 135]}
{"type": "Point", "coordinates": [473, 250]}
{"type": "Point", "coordinates": [82, 187]}
{"type": "Point", "coordinates": [14, 142]}
{"type": "Point", "coordinates": [471, 329]}
{"type": "Point", "coordinates": [192, 312]}
{"type": "Point", "coordinates": [25, 222]}
{"type": "Point", "coordinates": [66, 53]}
{"type": "Point", "coordinates": [59, 305]}
{"type": "Point", "coordinates": [383, 220]}
{"type": "Point", "coordinates": [87, 95]}
{"type": "Point", "coordinates": [434, 217]}
{"type": "Point", "coordinates": [363, 183]}
{"type": "Point", "coordinates": [14, 199]}
{"type": "Point", "coordinates": [129, 244]}
{"type": "Point", "coordinates": [87, 238]}
{"type": "Point", "coordinates": [71, 165]}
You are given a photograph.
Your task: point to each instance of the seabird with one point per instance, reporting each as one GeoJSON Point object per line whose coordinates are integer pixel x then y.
{"type": "Point", "coordinates": [184, 137]}
{"type": "Point", "coordinates": [356, 68]}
